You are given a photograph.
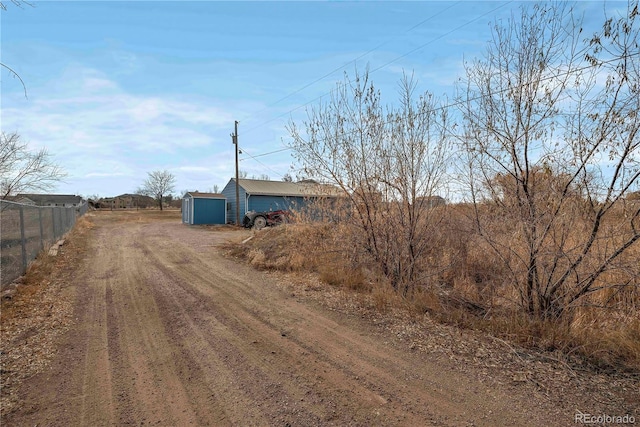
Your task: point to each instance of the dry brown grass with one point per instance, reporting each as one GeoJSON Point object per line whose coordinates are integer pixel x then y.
{"type": "Point", "coordinates": [39, 311]}
{"type": "Point", "coordinates": [463, 285]}
{"type": "Point", "coordinates": [336, 274]}
{"type": "Point", "coordinates": [600, 328]}
{"type": "Point", "coordinates": [141, 215]}
{"type": "Point", "coordinates": [41, 270]}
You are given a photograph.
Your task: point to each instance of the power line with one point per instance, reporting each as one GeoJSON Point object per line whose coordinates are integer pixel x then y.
{"type": "Point", "coordinates": [386, 64]}
{"type": "Point", "coordinates": [270, 152]}
{"type": "Point", "coordinates": [479, 97]}
{"type": "Point", "coordinates": [349, 62]}
{"type": "Point", "coordinates": [440, 37]}
{"type": "Point", "coordinates": [254, 158]}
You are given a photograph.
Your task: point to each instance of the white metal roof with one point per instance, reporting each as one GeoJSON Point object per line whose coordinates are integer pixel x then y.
{"type": "Point", "coordinates": [198, 195]}
{"type": "Point", "coordinates": [51, 198]}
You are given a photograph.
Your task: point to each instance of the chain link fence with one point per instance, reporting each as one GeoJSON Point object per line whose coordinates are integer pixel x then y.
{"type": "Point", "coordinates": [26, 230]}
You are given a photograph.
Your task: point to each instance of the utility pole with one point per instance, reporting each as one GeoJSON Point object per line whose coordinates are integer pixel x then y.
{"type": "Point", "coordinates": [234, 138]}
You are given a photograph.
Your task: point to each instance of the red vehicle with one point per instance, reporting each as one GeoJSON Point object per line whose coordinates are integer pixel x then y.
{"type": "Point", "coordinates": [259, 220]}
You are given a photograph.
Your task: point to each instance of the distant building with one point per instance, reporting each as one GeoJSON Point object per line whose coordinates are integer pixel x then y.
{"type": "Point", "coordinates": [430, 201]}
{"type": "Point", "coordinates": [61, 200]}
{"type": "Point", "coordinates": [134, 201]}
{"type": "Point", "coordinates": [124, 201]}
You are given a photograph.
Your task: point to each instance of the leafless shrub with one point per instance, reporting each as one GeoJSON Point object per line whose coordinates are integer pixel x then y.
{"type": "Point", "coordinates": [545, 254]}
{"type": "Point", "coordinates": [389, 165]}
{"type": "Point", "coordinates": [552, 151]}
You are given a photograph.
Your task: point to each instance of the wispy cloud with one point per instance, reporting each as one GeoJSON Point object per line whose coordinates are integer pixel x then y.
{"type": "Point", "coordinates": [95, 128]}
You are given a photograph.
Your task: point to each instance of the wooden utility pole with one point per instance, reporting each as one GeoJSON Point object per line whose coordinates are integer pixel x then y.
{"type": "Point", "coordinates": [234, 138]}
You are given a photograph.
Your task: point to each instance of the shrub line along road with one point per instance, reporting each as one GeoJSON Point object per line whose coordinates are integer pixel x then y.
{"type": "Point", "coordinates": [169, 332]}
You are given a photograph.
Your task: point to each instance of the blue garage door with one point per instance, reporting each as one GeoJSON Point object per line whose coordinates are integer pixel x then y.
{"type": "Point", "coordinates": [209, 211]}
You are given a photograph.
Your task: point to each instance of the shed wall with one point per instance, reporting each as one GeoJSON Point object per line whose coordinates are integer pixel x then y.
{"type": "Point", "coordinates": [274, 203]}
{"type": "Point", "coordinates": [229, 192]}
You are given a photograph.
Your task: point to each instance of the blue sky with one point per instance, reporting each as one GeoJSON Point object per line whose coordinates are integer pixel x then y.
{"type": "Point", "coordinates": [118, 89]}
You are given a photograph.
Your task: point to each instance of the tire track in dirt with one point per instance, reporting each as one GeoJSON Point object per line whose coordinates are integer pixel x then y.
{"type": "Point", "coordinates": [339, 356]}
{"type": "Point", "coordinates": [222, 354]}
{"type": "Point", "coordinates": [96, 409]}
{"type": "Point", "coordinates": [246, 335]}
{"type": "Point", "coordinates": [143, 352]}
{"type": "Point", "coordinates": [171, 333]}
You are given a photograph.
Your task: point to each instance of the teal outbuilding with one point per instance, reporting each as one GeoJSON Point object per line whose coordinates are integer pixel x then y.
{"type": "Point", "coordinates": [263, 195]}
{"type": "Point", "coordinates": [204, 208]}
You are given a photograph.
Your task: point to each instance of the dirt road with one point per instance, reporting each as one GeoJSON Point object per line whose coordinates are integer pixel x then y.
{"type": "Point", "coordinates": [168, 332]}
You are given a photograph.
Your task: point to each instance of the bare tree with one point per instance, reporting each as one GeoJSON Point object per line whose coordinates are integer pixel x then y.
{"type": "Point", "coordinates": [553, 144]}
{"type": "Point", "coordinates": [19, 3]}
{"type": "Point", "coordinates": [387, 163]}
{"type": "Point", "coordinates": [157, 184]}
{"type": "Point", "coordinates": [24, 170]}
{"type": "Point", "coordinates": [12, 72]}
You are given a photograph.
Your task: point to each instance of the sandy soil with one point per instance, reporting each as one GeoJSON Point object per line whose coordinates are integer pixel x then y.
{"type": "Point", "coordinates": [169, 332]}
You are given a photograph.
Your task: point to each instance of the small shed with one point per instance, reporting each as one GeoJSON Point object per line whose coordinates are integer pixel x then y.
{"type": "Point", "coordinates": [204, 208]}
